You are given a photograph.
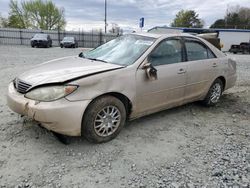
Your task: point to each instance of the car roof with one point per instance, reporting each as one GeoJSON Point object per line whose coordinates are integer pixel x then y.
{"type": "Point", "coordinates": [217, 52]}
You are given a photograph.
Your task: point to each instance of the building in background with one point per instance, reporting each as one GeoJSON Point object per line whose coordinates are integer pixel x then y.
{"type": "Point", "coordinates": [228, 37]}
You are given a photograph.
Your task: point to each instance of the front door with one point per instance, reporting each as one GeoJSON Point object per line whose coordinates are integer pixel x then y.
{"type": "Point", "coordinates": [168, 89]}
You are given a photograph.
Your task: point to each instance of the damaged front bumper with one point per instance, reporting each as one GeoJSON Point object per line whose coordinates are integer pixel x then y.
{"type": "Point", "coordinates": [61, 116]}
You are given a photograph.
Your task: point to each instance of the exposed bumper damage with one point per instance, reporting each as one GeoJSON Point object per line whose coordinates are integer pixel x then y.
{"type": "Point", "coordinates": [61, 116]}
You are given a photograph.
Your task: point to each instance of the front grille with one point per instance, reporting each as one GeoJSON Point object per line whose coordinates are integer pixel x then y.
{"type": "Point", "coordinates": [21, 86]}
{"type": "Point", "coordinates": [38, 41]}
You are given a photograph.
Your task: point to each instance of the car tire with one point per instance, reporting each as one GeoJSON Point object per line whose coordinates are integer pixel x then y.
{"type": "Point", "coordinates": [103, 119]}
{"type": "Point", "coordinates": [214, 93]}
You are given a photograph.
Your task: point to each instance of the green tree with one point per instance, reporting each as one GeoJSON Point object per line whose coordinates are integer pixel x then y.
{"type": "Point", "coordinates": [3, 21]}
{"type": "Point", "coordinates": [18, 18]}
{"type": "Point", "coordinates": [187, 18]}
{"type": "Point", "coordinates": [36, 14]}
{"type": "Point", "coordinates": [220, 23]}
{"type": "Point", "coordinates": [235, 18]}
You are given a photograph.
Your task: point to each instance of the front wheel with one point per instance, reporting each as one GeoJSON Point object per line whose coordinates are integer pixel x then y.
{"type": "Point", "coordinates": [214, 93]}
{"type": "Point", "coordinates": [103, 119]}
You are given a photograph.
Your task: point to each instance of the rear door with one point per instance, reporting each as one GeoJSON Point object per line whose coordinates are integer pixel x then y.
{"type": "Point", "coordinates": [201, 68]}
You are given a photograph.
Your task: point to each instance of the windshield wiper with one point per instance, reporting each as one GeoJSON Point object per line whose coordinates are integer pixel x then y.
{"type": "Point", "coordinates": [95, 59]}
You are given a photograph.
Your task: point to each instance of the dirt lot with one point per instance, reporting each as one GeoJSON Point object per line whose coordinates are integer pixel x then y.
{"type": "Point", "coordinates": [189, 146]}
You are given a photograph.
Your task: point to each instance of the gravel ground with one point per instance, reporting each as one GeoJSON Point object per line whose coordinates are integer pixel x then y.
{"type": "Point", "coordinates": [189, 146]}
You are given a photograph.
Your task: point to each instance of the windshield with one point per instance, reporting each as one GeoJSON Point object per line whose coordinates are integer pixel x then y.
{"type": "Point", "coordinates": [124, 50]}
{"type": "Point", "coordinates": [68, 39]}
{"type": "Point", "coordinates": [40, 36]}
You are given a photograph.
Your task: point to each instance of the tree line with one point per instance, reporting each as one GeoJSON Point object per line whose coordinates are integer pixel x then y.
{"type": "Point", "coordinates": [38, 14]}
{"type": "Point", "coordinates": [34, 14]}
{"type": "Point", "coordinates": [236, 17]}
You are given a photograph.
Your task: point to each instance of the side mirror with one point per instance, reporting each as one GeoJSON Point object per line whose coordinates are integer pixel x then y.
{"type": "Point", "coordinates": [81, 54]}
{"type": "Point", "coordinates": [151, 72]}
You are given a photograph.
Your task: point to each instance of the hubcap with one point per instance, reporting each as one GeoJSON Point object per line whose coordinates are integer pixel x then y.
{"type": "Point", "coordinates": [107, 121]}
{"type": "Point", "coordinates": [216, 92]}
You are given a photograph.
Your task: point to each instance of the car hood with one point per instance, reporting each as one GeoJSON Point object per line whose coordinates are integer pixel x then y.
{"type": "Point", "coordinates": [64, 69]}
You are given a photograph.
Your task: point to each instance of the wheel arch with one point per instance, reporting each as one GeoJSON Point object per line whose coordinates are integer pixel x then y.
{"type": "Point", "coordinates": [222, 78]}
{"type": "Point", "coordinates": [123, 98]}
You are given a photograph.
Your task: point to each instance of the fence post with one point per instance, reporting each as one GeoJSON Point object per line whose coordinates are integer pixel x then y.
{"type": "Point", "coordinates": [100, 43]}
{"type": "Point", "coordinates": [21, 37]}
{"type": "Point", "coordinates": [79, 38]}
{"type": "Point", "coordinates": [83, 42]}
{"type": "Point", "coordinates": [58, 32]}
{"type": "Point", "coordinates": [92, 39]}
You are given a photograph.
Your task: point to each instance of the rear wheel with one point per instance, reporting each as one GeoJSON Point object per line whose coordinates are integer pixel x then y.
{"type": "Point", "coordinates": [214, 93]}
{"type": "Point", "coordinates": [103, 119]}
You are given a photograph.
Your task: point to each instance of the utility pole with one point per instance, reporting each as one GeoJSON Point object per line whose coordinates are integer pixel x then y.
{"type": "Point", "coordinates": [227, 15]}
{"type": "Point", "coordinates": [105, 20]}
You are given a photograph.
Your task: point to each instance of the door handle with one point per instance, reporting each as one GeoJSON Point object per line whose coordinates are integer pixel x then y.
{"type": "Point", "coordinates": [215, 65]}
{"type": "Point", "coordinates": [182, 71]}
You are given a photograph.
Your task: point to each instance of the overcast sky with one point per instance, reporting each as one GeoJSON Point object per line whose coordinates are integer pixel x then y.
{"type": "Point", "coordinates": [87, 14]}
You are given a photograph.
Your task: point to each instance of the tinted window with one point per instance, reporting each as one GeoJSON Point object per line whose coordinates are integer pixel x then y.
{"type": "Point", "coordinates": [168, 52]}
{"type": "Point", "coordinates": [40, 36]}
{"type": "Point", "coordinates": [196, 51]}
{"type": "Point", "coordinates": [68, 39]}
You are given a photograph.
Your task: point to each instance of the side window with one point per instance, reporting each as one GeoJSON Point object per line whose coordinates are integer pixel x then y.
{"type": "Point", "coordinates": [196, 51]}
{"type": "Point", "coordinates": [168, 52]}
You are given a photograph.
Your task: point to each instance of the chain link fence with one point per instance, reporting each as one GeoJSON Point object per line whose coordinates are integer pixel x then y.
{"type": "Point", "coordinates": [85, 39]}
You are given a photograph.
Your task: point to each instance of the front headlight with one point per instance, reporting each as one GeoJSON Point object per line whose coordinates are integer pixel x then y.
{"type": "Point", "coordinates": [50, 93]}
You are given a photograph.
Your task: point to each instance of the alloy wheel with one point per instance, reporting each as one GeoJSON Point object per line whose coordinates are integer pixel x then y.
{"type": "Point", "coordinates": [107, 121]}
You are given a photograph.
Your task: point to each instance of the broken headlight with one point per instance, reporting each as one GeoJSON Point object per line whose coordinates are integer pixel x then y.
{"type": "Point", "coordinates": [50, 93]}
